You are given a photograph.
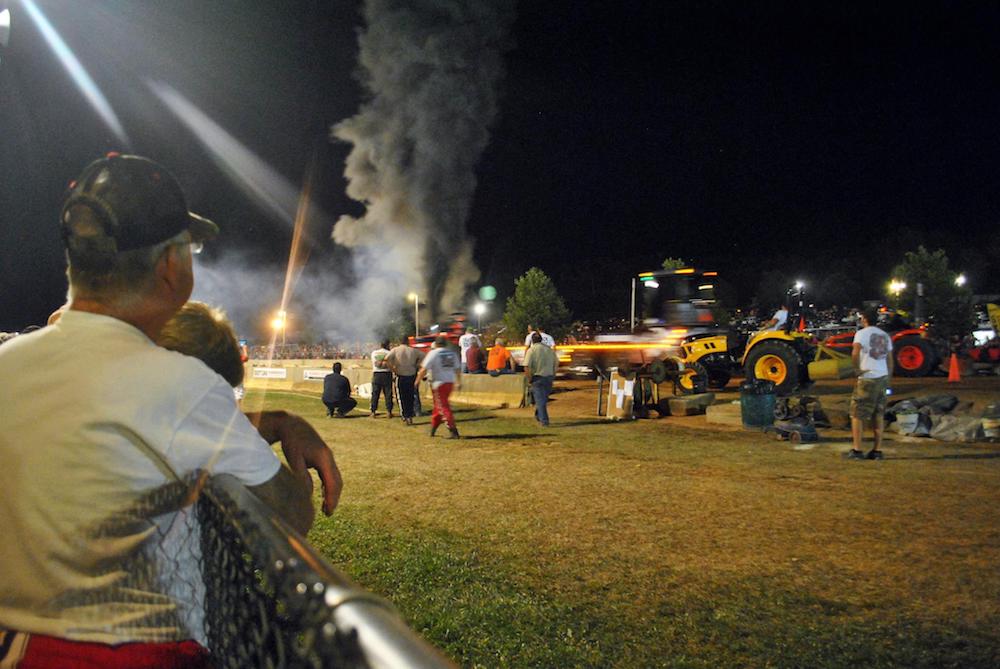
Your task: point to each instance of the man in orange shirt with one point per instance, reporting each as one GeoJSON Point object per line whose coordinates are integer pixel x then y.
{"type": "Point", "coordinates": [499, 361]}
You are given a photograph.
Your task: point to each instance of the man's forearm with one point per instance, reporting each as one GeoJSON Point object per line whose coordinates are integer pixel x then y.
{"type": "Point", "coordinates": [303, 449]}
{"type": "Point", "coordinates": [290, 497]}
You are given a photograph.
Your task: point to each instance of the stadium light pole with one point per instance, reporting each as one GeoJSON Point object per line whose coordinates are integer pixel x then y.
{"type": "Point", "coordinates": [479, 310]}
{"type": "Point", "coordinates": [416, 316]}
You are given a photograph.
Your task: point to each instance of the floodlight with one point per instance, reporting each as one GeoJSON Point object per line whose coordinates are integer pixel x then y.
{"type": "Point", "coordinates": [4, 31]}
{"type": "Point", "coordinates": [960, 280]}
{"type": "Point", "coordinates": [4, 27]}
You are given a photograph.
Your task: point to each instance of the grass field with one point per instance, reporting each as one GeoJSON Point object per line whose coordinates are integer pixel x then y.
{"type": "Point", "coordinates": [648, 544]}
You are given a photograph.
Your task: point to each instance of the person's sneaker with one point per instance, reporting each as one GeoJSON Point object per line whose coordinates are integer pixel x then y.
{"type": "Point", "coordinates": [452, 433]}
{"type": "Point", "coordinates": [874, 455]}
{"type": "Point", "coordinates": [854, 455]}
{"type": "Point", "coordinates": [434, 428]}
{"type": "Point", "coordinates": [409, 421]}
{"type": "Point", "coordinates": [371, 415]}
{"type": "Point", "coordinates": [390, 415]}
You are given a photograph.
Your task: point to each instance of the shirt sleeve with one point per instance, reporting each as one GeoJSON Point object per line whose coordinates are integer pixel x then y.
{"type": "Point", "coordinates": [217, 437]}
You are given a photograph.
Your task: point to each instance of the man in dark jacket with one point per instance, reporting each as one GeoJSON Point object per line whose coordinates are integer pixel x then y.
{"type": "Point", "coordinates": [337, 393]}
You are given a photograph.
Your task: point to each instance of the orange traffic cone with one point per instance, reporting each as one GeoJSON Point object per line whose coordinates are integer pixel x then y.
{"type": "Point", "coordinates": [954, 376]}
{"type": "Point", "coordinates": [802, 323]}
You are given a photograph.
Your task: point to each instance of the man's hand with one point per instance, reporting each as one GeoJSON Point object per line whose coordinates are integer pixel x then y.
{"type": "Point", "coordinates": [304, 449]}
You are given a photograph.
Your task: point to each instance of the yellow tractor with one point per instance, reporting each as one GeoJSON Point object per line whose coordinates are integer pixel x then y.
{"type": "Point", "coordinates": [781, 356]}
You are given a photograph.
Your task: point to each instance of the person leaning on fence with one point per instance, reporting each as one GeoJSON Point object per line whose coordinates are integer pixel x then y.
{"type": "Point", "coordinates": [872, 357]}
{"type": "Point", "coordinates": [337, 393]}
{"type": "Point", "coordinates": [403, 360]}
{"type": "Point", "coordinates": [446, 374]}
{"type": "Point", "coordinates": [101, 427]}
{"type": "Point", "coordinates": [540, 365]}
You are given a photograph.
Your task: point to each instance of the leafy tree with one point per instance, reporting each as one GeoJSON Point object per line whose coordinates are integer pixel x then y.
{"type": "Point", "coordinates": [947, 305]}
{"type": "Point", "coordinates": [536, 302]}
{"type": "Point", "coordinates": [674, 263]}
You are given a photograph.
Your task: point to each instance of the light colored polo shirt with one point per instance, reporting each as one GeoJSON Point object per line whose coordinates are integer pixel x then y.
{"type": "Point", "coordinates": [95, 417]}
{"type": "Point", "coordinates": [405, 359]}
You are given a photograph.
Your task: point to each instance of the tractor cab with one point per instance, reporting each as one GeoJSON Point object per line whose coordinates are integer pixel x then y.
{"type": "Point", "coordinates": [677, 298]}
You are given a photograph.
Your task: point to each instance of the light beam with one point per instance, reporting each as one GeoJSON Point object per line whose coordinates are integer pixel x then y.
{"type": "Point", "coordinates": [76, 72]}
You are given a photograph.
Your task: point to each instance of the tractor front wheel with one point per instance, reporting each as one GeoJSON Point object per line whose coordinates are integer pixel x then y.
{"type": "Point", "coordinates": [693, 379]}
{"type": "Point", "coordinates": [776, 362]}
{"type": "Point", "coordinates": [914, 356]}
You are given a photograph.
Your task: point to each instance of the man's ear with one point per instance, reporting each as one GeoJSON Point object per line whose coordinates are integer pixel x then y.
{"type": "Point", "coordinates": [170, 271]}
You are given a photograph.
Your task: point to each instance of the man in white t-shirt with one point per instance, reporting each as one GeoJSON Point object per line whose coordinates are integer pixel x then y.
{"type": "Point", "coordinates": [778, 320]}
{"type": "Point", "coordinates": [97, 420]}
{"type": "Point", "coordinates": [872, 357]}
{"type": "Point", "coordinates": [546, 338]}
{"type": "Point", "coordinates": [465, 342]}
{"type": "Point", "coordinates": [445, 370]}
{"type": "Point", "coordinates": [381, 378]}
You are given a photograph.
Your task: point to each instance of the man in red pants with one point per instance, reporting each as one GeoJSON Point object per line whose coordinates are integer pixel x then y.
{"type": "Point", "coordinates": [445, 370]}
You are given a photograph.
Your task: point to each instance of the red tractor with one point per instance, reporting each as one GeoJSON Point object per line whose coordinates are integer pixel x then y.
{"type": "Point", "coordinates": [915, 351]}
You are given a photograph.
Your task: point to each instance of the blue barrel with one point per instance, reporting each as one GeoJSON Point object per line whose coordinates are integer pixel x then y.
{"type": "Point", "coordinates": [757, 403]}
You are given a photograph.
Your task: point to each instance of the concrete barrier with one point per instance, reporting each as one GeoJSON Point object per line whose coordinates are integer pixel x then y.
{"type": "Point", "coordinates": [506, 390]}
{"type": "Point", "coordinates": [690, 405]}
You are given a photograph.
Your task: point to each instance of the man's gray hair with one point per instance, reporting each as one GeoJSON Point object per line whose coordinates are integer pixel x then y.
{"type": "Point", "coordinates": [96, 272]}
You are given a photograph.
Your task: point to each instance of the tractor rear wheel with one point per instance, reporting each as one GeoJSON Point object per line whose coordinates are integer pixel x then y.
{"type": "Point", "coordinates": [775, 361]}
{"type": "Point", "coordinates": [914, 356]}
{"type": "Point", "coordinates": [693, 379]}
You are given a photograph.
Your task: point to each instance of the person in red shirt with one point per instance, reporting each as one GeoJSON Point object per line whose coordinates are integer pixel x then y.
{"type": "Point", "coordinates": [474, 359]}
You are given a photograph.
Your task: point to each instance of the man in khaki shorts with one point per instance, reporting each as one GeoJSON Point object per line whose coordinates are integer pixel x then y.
{"type": "Point", "coordinates": [872, 357]}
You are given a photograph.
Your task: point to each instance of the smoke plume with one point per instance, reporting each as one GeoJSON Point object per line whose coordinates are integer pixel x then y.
{"type": "Point", "coordinates": [430, 69]}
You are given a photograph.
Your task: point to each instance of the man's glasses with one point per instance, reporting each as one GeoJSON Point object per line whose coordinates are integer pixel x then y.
{"type": "Point", "coordinates": [196, 247]}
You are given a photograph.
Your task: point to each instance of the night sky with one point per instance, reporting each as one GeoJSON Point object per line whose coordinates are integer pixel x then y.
{"type": "Point", "coordinates": [815, 139]}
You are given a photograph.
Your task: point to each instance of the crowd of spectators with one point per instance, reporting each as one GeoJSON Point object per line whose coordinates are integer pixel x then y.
{"type": "Point", "coordinates": [321, 351]}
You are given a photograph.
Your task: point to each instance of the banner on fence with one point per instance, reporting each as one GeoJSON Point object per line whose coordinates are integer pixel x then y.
{"type": "Point", "coordinates": [270, 373]}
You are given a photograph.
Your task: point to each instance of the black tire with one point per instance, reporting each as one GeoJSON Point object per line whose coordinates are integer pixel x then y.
{"type": "Point", "coordinates": [786, 370]}
{"type": "Point", "coordinates": [718, 379]}
{"type": "Point", "coordinates": [658, 370]}
{"type": "Point", "coordinates": [913, 356]}
{"type": "Point", "coordinates": [693, 381]}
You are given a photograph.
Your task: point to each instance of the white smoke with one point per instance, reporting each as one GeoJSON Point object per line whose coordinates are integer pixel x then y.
{"type": "Point", "coordinates": [431, 68]}
{"type": "Point", "coordinates": [323, 306]}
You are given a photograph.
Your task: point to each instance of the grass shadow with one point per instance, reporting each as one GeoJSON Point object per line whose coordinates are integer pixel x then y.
{"type": "Point", "coordinates": [585, 421]}
{"type": "Point", "coordinates": [950, 456]}
{"type": "Point", "coordinates": [509, 435]}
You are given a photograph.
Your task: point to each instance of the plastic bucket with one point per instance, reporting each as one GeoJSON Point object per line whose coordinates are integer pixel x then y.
{"type": "Point", "coordinates": [757, 403]}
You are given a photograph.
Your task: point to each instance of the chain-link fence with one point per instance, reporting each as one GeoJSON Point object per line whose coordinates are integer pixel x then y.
{"type": "Point", "coordinates": [272, 601]}
{"type": "Point", "coordinates": [204, 559]}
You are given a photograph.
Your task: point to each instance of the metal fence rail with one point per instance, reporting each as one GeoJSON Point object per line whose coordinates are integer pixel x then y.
{"type": "Point", "coordinates": [272, 601]}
